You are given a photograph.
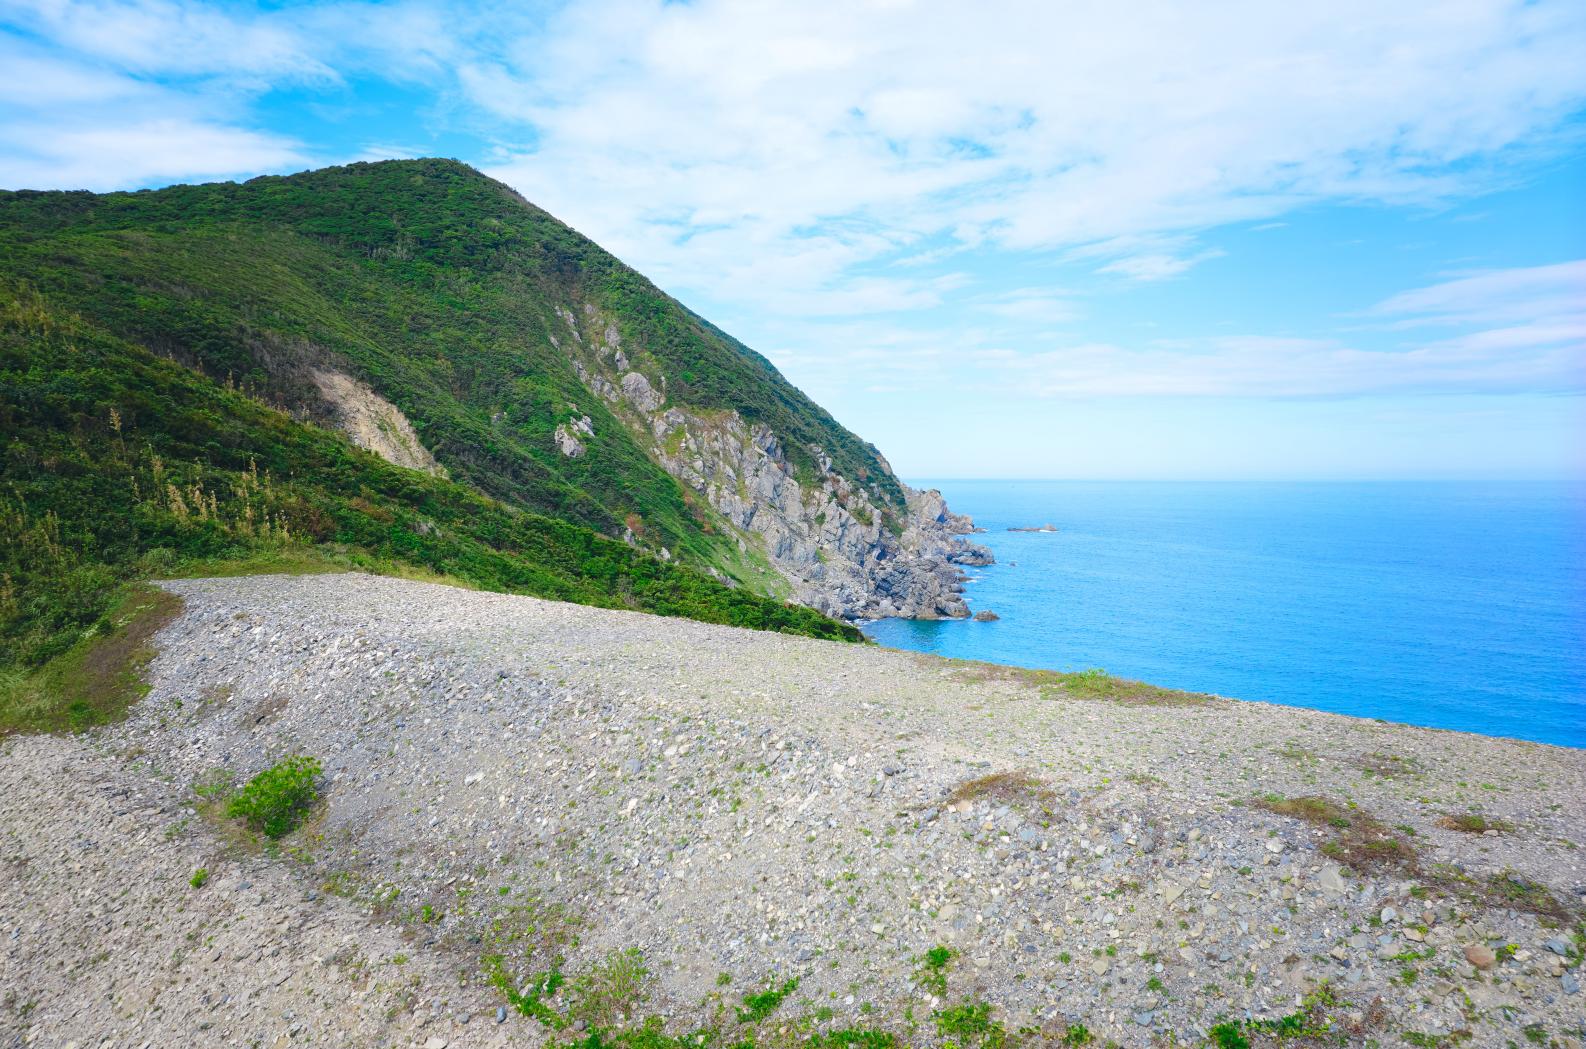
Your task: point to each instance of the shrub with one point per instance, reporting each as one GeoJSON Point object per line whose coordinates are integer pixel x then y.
{"type": "Point", "coordinates": [274, 801]}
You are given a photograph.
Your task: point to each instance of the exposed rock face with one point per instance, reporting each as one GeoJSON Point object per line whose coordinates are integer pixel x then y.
{"type": "Point", "coordinates": [374, 423]}
{"type": "Point", "coordinates": [566, 435]}
{"type": "Point", "coordinates": [826, 535]}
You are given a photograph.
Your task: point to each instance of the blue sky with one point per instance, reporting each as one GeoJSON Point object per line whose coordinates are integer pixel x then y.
{"type": "Point", "coordinates": [1010, 239]}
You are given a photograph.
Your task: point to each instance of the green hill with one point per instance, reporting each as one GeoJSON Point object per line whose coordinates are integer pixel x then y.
{"type": "Point", "coordinates": [440, 289]}
{"type": "Point", "coordinates": [164, 409]}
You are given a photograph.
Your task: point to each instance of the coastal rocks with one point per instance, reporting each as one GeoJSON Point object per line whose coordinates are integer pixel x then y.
{"type": "Point", "coordinates": [842, 545]}
{"type": "Point", "coordinates": [1048, 527]}
{"type": "Point", "coordinates": [986, 615]}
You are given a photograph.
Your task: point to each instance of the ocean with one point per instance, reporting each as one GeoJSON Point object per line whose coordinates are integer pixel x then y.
{"type": "Point", "coordinates": [1454, 605]}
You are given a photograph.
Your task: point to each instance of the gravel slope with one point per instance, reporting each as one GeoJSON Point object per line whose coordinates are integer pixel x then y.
{"type": "Point", "coordinates": [519, 777]}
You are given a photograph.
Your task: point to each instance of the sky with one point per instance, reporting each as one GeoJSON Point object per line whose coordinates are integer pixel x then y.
{"type": "Point", "coordinates": [1218, 240]}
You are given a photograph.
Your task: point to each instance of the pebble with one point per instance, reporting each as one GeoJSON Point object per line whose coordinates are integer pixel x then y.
{"type": "Point", "coordinates": [1481, 956]}
{"type": "Point", "coordinates": [1331, 879]}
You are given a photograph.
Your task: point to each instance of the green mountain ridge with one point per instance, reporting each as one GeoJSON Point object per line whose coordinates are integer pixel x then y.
{"type": "Point", "coordinates": [405, 366]}
{"type": "Point", "coordinates": [437, 287]}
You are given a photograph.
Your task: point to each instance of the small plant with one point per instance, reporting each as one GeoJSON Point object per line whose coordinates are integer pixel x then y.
{"type": "Point", "coordinates": [970, 1020]}
{"type": "Point", "coordinates": [758, 1006]}
{"type": "Point", "coordinates": [200, 876]}
{"type": "Point", "coordinates": [933, 974]}
{"type": "Point", "coordinates": [1078, 1034]}
{"type": "Point", "coordinates": [274, 801]}
{"type": "Point", "coordinates": [1010, 788]}
{"type": "Point", "coordinates": [529, 1000]}
{"type": "Point", "coordinates": [1229, 1036]}
{"type": "Point", "coordinates": [1474, 823]}
{"type": "Point", "coordinates": [608, 990]}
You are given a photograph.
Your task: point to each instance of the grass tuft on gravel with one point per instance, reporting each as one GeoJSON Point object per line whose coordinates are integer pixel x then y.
{"type": "Point", "coordinates": [1473, 823]}
{"type": "Point", "coordinates": [1094, 683]}
{"type": "Point", "coordinates": [95, 680]}
{"type": "Point", "coordinates": [1365, 843]}
{"type": "Point", "coordinates": [1360, 840]}
{"type": "Point", "coordinates": [1009, 788]}
{"type": "Point", "coordinates": [275, 801]}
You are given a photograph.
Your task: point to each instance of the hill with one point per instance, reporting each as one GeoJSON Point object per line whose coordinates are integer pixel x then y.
{"type": "Point", "coordinates": [440, 320]}
{"type": "Point", "coordinates": [406, 366]}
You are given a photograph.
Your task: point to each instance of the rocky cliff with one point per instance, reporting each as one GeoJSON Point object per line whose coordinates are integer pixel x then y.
{"type": "Point", "coordinates": [842, 550]}
{"type": "Point", "coordinates": [444, 323]}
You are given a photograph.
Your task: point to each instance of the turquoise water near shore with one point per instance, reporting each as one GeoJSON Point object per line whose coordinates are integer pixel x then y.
{"type": "Point", "coordinates": [1455, 605]}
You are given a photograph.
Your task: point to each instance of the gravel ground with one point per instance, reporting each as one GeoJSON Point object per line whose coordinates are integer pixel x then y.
{"type": "Point", "coordinates": [514, 777]}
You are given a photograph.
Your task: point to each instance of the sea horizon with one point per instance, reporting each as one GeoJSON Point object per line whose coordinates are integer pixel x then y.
{"type": "Point", "coordinates": [1452, 604]}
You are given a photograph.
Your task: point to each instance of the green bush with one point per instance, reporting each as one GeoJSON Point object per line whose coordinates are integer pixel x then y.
{"type": "Point", "coordinates": [275, 801]}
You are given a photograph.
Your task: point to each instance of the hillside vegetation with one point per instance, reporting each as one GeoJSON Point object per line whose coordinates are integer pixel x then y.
{"type": "Point", "coordinates": [119, 464]}
{"type": "Point", "coordinates": [159, 354]}
{"type": "Point", "coordinates": [438, 287]}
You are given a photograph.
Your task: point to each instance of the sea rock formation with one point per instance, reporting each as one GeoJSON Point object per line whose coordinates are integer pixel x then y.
{"type": "Point", "coordinates": [840, 549]}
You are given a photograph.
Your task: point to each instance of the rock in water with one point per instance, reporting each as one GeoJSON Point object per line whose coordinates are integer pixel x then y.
{"type": "Point", "coordinates": [986, 615]}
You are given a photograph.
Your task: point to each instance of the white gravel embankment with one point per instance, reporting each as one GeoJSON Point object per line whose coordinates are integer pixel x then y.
{"type": "Point", "coordinates": [744, 805]}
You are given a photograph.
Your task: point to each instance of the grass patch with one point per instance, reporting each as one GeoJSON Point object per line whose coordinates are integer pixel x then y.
{"type": "Point", "coordinates": [1364, 843]}
{"type": "Point", "coordinates": [609, 991]}
{"type": "Point", "coordinates": [933, 970]}
{"type": "Point", "coordinates": [1009, 788]}
{"type": "Point", "coordinates": [1386, 766]}
{"type": "Point", "coordinates": [1508, 889]}
{"type": "Point", "coordinates": [1313, 1023]}
{"type": "Point", "coordinates": [1473, 823]}
{"type": "Point", "coordinates": [1094, 683]}
{"type": "Point", "coordinates": [1359, 840]}
{"type": "Point", "coordinates": [758, 1006]}
{"type": "Point", "coordinates": [969, 1023]}
{"type": "Point", "coordinates": [275, 801]}
{"type": "Point", "coordinates": [95, 680]}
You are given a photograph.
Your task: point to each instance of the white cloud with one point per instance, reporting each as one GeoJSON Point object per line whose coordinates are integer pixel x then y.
{"type": "Point", "coordinates": [1040, 126]}
{"type": "Point", "coordinates": [1157, 266]}
{"type": "Point", "coordinates": [170, 38]}
{"type": "Point", "coordinates": [1531, 294]}
{"type": "Point", "coordinates": [1033, 305]}
{"type": "Point", "coordinates": [1545, 353]}
{"type": "Point", "coordinates": [106, 158]}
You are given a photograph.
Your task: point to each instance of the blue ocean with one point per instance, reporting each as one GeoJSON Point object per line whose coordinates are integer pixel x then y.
{"type": "Point", "coordinates": [1454, 605]}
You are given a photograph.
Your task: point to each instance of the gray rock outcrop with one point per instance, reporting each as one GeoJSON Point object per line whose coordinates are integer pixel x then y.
{"type": "Point", "coordinates": [838, 546]}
